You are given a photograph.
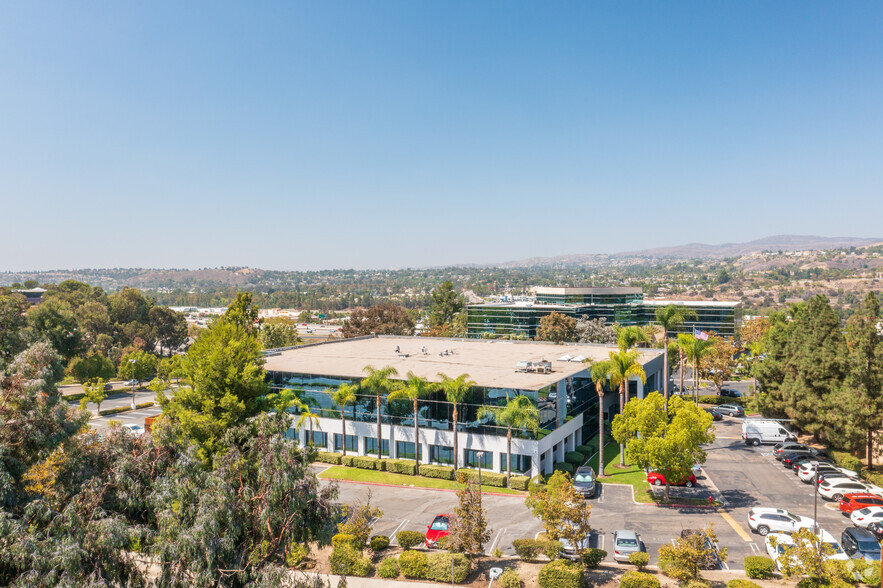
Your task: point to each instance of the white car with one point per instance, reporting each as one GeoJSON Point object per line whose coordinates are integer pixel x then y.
{"type": "Point", "coordinates": [807, 471]}
{"type": "Point", "coordinates": [835, 488]}
{"type": "Point", "coordinates": [776, 520]}
{"type": "Point", "coordinates": [136, 430]}
{"type": "Point", "coordinates": [783, 541]}
{"type": "Point", "coordinates": [865, 516]}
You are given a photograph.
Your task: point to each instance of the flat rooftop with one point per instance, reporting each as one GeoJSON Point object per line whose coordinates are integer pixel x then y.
{"type": "Point", "coordinates": [559, 290]}
{"type": "Point", "coordinates": [490, 363]}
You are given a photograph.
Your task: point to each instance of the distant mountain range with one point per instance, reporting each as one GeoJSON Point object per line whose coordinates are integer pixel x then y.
{"type": "Point", "coordinates": [703, 250]}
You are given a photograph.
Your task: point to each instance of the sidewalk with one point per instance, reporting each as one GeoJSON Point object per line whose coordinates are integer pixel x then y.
{"type": "Point", "coordinates": [356, 582]}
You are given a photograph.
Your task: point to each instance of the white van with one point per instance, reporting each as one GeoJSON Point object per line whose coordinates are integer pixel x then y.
{"type": "Point", "coordinates": [755, 432]}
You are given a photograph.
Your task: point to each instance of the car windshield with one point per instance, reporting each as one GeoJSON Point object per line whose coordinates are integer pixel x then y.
{"type": "Point", "coordinates": [440, 524]}
{"type": "Point", "coordinates": [583, 478]}
{"type": "Point", "coordinates": [791, 517]}
{"type": "Point", "coordinates": [868, 546]}
{"type": "Point", "coordinates": [626, 542]}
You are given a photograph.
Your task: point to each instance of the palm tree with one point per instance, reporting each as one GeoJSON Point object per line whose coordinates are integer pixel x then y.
{"type": "Point", "coordinates": [670, 317]}
{"type": "Point", "coordinates": [622, 366]}
{"type": "Point", "coordinates": [628, 337]}
{"type": "Point", "coordinates": [455, 390]}
{"type": "Point", "coordinates": [519, 413]}
{"type": "Point", "coordinates": [344, 395]}
{"type": "Point", "coordinates": [306, 415]}
{"type": "Point", "coordinates": [599, 376]}
{"type": "Point", "coordinates": [694, 350]}
{"type": "Point", "coordinates": [379, 383]}
{"type": "Point", "coordinates": [413, 389]}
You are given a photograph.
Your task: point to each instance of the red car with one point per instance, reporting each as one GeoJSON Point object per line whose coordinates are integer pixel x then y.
{"type": "Point", "coordinates": [437, 530]}
{"type": "Point", "coordinates": [851, 502]}
{"type": "Point", "coordinates": [658, 479]}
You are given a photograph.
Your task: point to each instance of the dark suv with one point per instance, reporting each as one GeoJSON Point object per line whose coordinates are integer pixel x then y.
{"type": "Point", "coordinates": [584, 481]}
{"type": "Point", "coordinates": [860, 543]}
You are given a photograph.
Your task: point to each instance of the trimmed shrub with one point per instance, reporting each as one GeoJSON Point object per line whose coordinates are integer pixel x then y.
{"type": "Point", "coordinates": [519, 483]}
{"type": "Point", "coordinates": [111, 411]}
{"type": "Point", "coordinates": [564, 467]}
{"type": "Point", "coordinates": [740, 583]}
{"type": "Point", "coordinates": [510, 579]}
{"type": "Point", "coordinates": [439, 567]}
{"type": "Point", "coordinates": [366, 462]}
{"type": "Point", "coordinates": [296, 555]}
{"type": "Point", "coordinates": [347, 460]}
{"type": "Point", "coordinates": [328, 457]}
{"type": "Point", "coordinates": [487, 478]}
{"type": "Point", "coordinates": [640, 560]}
{"type": "Point", "coordinates": [592, 557]}
{"type": "Point", "coordinates": [348, 561]}
{"type": "Point", "coordinates": [409, 539]}
{"type": "Point", "coordinates": [633, 579]}
{"type": "Point", "coordinates": [586, 450]}
{"type": "Point", "coordinates": [742, 401]}
{"type": "Point", "coordinates": [378, 543]}
{"type": "Point", "coordinates": [676, 570]}
{"type": "Point", "coordinates": [388, 568]}
{"type": "Point", "coordinates": [401, 466]}
{"type": "Point", "coordinates": [846, 460]}
{"type": "Point", "coordinates": [346, 539]}
{"type": "Point", "coordinates": [413, 564]}
{"type": "Point", "coordinates": [527, 549]}
{"type": "Point", "coordinates": [575, 457]}
{"type": "Point", "coordinates": [551, 549]}
{"type": "Point", "coordinates": [696, 583]}
{"type": "Point", "coordinates": [759, 567]}
{"type": "Point", "coordinates": [437, 471]}
{"type": "Point", "coordinates": [561, 574]}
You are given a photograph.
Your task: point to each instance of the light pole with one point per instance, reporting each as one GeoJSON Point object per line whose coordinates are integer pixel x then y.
{"type": "Point", "coordinates": [132, 361]}
{"type": "Point", "coordinates": [480, 455]}
{"type": "Point", "coordinates": [815, 509]}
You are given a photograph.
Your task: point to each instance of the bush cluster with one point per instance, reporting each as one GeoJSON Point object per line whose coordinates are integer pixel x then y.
{"type": "Point", "coordinates": [378, 542]}
{"type": "Point", "coordinates": [529, 549]}
{"type": "Point", "coordinates": [401, 466]}
{"type": "Point", "coordinates": [388, 568]}
{"type": "Point", "coordinates": [759, 567]}
{"type": "Point", "coordinates": [487, 478]}
{"type": "Point", "coordinates": [564, 467]}
{"type": "Point", "coordinates": [561, 574]}
{"type": "Point", "coordinates": [346, 460]}
{"type": "Point", "coordinates": [592, 557]}
{"type": "Point", "coordinates": [510, 579]}
{"type": "Point", "coordinates": [366, 462]}
{"type": "Point", "coordinates": [328, 457]}
{"type": "Point", "coordinates": [639, 559]}
{"type": "Point", "coordinates": [519, 482]}
{"type": "Point", "coordinates": [439, 567]}
{"type": "Point", "coordinates": [586, 450]}
{"type": "Point", "coordinates": [846, 460]}
{"type": "Point", "coordinates": [346, 539]}
{"type": "Point", "coordinates": [723, 400]}
{"type": "Point", "coordinates": [413, 564]}
{"type": "Point", "coordinates": [409, 539]}
{"type": "Point", "coordinates": [575, 457]}
{"type": "Point", "coordinates": [633, 579]}
{"type": "Point", "coordinates": [740, 583]}
{"type": "Point", "coordinates": [437, 471]}
{"type": "Point", "coordinates": [348, 561]}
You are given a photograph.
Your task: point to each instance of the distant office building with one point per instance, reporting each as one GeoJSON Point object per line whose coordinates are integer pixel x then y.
{"type": "Point", "coordinates": [32, 295]}
{"type": "Point", "coordinates": [554, 377]}
{"type": "Point", "coordinates": [625, 306]}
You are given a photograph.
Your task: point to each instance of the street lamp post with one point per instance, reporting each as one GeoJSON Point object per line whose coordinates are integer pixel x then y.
{"type": "Point", "coordinates": [132, 361]}
{"type": "Point", "coordinates": [815, 509]}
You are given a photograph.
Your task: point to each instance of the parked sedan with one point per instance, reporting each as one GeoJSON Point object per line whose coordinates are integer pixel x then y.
{"type": "Point", "coordinates": [786, 447]}
{"type": "Point", "coordinates": [730, 393]}
{"type": "Point", "coordinates": [626, 543]}
{"type": "Point", "coordinates": [715, 415]}
{"type": "Point", "coordinates": [763, 520]}
{"type": "Point", "coordinates": [807, 471]}
{"type": "Point", "coordinates": [835, 488]}
{"type": "Point", "coordinates": [860, 544]}
{"type": "Point", "coordinates": [437, 530]}
{"type": "Point", "coordinates": [853, 502]}
{"type": "Point", "coordinates": [863, 517]}
{"type": "Point", "coordinates": [810, 452]}
{"type": "Point", "coordinates": [658, 479]}
{"type": "Point", "coordinates": [731, 410]}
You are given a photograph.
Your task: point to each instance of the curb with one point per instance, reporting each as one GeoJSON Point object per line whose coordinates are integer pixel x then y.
{"type": "Point", "coordinates": [672, 505]}
{"type": "Point", "coordinates": [416, 487]}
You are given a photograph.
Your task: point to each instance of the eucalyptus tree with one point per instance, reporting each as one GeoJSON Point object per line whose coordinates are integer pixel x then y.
{"type": "Point", "coordinates": [342, 397]}
{"type": "Point", "coordinates": [413, 389]}
{"type": "Point", "coordinates": [379, 383]}
{"type": "Point", "coordinates": [600, 371]}
{"type": "Point", "coordinates": [455, 390]}
{"type": "Point", "coordinates": [519, 413]}
{"type": "Point", "coordinates": [670, 317]}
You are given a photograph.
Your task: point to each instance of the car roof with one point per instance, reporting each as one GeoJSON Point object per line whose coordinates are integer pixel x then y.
{"type": "Point", "coordinates": [585, 469]}
{"type": "Point", "coordinates": [860, 533]}
{"type": "Point", "coordinates": [626, 534]}
{"type": "Point", "coordinates": [781, 538]}
{"type": "Point", "coordinates": [768, 510]}
{"type": "Point", "coordinates": [861, 496]}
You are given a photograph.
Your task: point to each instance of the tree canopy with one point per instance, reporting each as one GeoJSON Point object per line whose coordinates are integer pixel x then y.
{"type": "Point", "coordinates": [382, 319]}
{"type": "Point", "coordinates": [557, 328]}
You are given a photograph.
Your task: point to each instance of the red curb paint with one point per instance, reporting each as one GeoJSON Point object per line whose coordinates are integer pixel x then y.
{"type": "Point", "coordinates": [417, 487]}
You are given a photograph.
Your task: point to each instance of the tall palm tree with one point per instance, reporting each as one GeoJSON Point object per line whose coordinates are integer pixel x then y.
{"type": "Point", "coordinates": [378, 382]}
{"type": "Point", "coordinates": [413, 389]}
{"type": "Point", "coordinates": [343, 396]}
{"type": "Point", "coordinates": [306, 415]}
{"type": "Point", "coordinates": [628, 337]}
{"type": "Point", "coordinates": [622, 366]}
{"type": "Point", "coordinates": [519, 413]}
{"type": "Point", "coordinates": [455, 390]}
{"type": "Point", "coordinates": [599, 372]}
{"type": "Point", "coordinates": [670, 317]}
{"type": "Point", "coordinates": [694, 350]}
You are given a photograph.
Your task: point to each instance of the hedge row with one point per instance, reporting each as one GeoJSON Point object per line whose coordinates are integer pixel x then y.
{"type": "Point", "coordinates": [846, 460]}
{"type": "Point", "coordinates": [586, 450]}
{"type": "Point", "coordinates": [487, 478]}
{"type": "Point", "coordinates": [575, 457]}
{"type": "Point", "coordinates": [564, 467]}
{"type": "Point", "coordinates": [519, 482]}
{"type": "Point", "coordinates": [437, 471]}
{"type": "Point", "coordinates": [722, 400]}
{"type": "Point", "coordinates": [110, 411]}
{"type": "Point", "coordinates": [328, 457]}
{"type": "Point", "coordinates": [401, 466]}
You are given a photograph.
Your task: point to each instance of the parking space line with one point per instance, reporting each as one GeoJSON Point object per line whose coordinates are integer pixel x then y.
{"type": "Point", "coordinates": [753, 547]}
{"type": "Point", "coordinates": [736, 527]}
{"type": "Point", "coordinates": [496, 539]}
{"type": "Point", "coordinates": [397, 529]}
{"type": "Point", "coordinates": [724, 565]}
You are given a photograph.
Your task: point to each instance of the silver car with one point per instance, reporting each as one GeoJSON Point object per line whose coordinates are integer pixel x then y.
{"type": "Point", "coordinates": [626, 543]}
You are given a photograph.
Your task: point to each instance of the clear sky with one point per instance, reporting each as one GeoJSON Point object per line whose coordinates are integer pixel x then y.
{"type": "Point", "coordinates": [289, 135]}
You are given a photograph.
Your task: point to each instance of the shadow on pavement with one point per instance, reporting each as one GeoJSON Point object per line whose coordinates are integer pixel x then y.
{"type": "Point", "coordinates": [739, 498]}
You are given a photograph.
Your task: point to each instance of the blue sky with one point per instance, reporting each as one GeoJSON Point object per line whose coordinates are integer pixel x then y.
{"type": "Point", "coordinates": [399, 134]}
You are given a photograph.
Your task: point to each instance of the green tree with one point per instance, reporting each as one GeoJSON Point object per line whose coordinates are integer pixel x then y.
{"type": "Point", "coordinates": [687, 554]}
{"type": "Point", "coordinates": [12, 325]}
{"type": "Point", "coordinates": [379, 383]}
{"type": "Point", "coordinates": [94, 365]}
{"type": "Point", "coordinates": [446, 304]}
{"type": "Point", "coordinates": [225, 370]}
{"type": "Point", "coordinates": [670, 317]}
{"type": "Point", "coordinates": [694, 349]}
{"type": "Point", "coordinates": [381, 319]}
{"type": "Point", "coordinates": [140, 363]}
{"type": "Point", "coordinates": [168, 328]}
{"type": "Point", "coordinates": [519, 413]}
{"type": "Point", "coordinates": [171, 367]}
{"type": "Point", "coordinates": [342, 397]}
{"type": "Point", "coordinates": [621, 367]}
{"type": "Point", "coordinates": [469, 528]}
{"type": "Point", "coordinates": [669, 442]}
{"type": "Point", "coordinates": [93, 391]}
{"type": "Point", "coordinates": [305, 316]}
{"type": "Point", "coordinates": [414, 388]}
{"type": "Point", "coordinates": [279, 332]}
{"type": "Point", "coordinates": [456, 390]}
{"type": "Point", "coordinates": [54, 321]}
{"type": "Point", "coordinates": [719, 361]}
{"type": "Point", "coordinates": [557, 328]}
{"type": "Point", "coordinates": [628, 337]}
{"type": "Point", "coordinates": [244, 312]}
{"type": "Point", "coordinates": [599, 372]}
{"type": "Point", "coordinates": [595, 331]}
{"type": "Point", "coordinates": [563, 511]}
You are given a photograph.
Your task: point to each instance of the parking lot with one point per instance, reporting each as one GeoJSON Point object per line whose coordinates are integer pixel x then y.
{"type": "Point", "coordinates": [741, 476]}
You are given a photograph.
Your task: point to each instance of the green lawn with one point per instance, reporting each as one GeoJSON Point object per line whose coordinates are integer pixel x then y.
{"type": "Point", "coordinates": [373, 476]}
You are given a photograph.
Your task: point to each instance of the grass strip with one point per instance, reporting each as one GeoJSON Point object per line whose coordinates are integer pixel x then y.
{"type": "Point", "coordinates": [376, 477]}
{"type": "Point", "coordinates": [635, 477]}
